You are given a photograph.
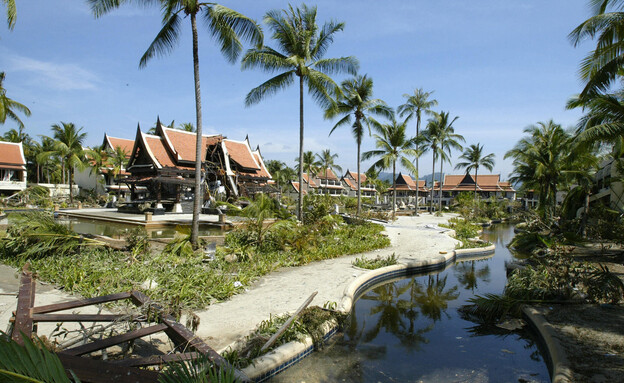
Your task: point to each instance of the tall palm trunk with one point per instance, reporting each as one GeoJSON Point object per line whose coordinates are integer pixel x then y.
{"type": "Point", "coordinates": [475, 180]}
{"type": "Point", "coordinates": [198, 144]}
{"type": "Point", "coordinates": [63, 171]}
{"type": "Point", "coordinates": [440, 196]}
{"type": "Point", "coordinates": [359, 181]}
{"type": "Point", "coordinates": [432, 182]}
{"type": "Point", "coordinates": [71, 184]}
{"type": "Point", "coordinates": [300, 202]}
{"type": "Point", "coordinates": [38, 171]}
{"type": "Point", "coordinates": [417, 156]}
{"type": "Point", "coordinates": [393, 190]}
{"type": "Point", "coordinates": [326, 181]}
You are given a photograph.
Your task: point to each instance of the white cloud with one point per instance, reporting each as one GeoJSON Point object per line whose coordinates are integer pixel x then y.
{"type": "Point", "coordinates": [59, 76]}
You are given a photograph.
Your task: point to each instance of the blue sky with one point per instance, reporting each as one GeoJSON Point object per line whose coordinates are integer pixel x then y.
{"type": "Point", "coordinates": [500, 65]}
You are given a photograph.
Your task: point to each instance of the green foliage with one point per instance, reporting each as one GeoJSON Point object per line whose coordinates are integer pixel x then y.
{"type": "Point", "coordinates": [466, 231]}
{"type": "Point", "coordinates": [491, 308]}
{"type": "Point", "coordinates": [138, 242]}
{"type": "Point", "coordinates": [316, 206]}
{"type": "Point", "coordinates": [375, 263]}
{"type": "Point", "coordinates": [36, 195]}
{"type": "Point", "coordinates": [604, 224]}
{"type": "Point", "coordinates": [181, 245]}
{"type": "Point", "coordinates": [30, 363]}
{"type": "Point", "coordinates": [35, 234]}
{"type": "Point", "coordinates": [200, 370]}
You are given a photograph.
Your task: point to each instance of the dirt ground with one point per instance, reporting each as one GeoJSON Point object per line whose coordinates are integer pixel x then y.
{"type": "Point", "coordinates": [593, 335]}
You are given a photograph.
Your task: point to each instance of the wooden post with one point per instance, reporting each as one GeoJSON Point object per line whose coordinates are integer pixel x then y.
{"type": "Point", "coordinates": [288, 322]}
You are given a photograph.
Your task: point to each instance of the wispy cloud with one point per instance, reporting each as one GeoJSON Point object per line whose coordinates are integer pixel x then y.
{"type": "Point", "coordinates": [59, 76]}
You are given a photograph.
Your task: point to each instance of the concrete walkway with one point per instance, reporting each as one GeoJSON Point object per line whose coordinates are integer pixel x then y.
{"type": "Point", "coordinates": [412, 238]}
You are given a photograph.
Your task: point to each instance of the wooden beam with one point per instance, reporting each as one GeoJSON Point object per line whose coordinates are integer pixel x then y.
{"type": "Point", "coordinates": [99, 371]}
{"type": "Point", "coordinates": [156, 360]}
{"type": "Point", "coordinates": [78, 317]}
{"type": "Point", "coordinates": [25, 301]}
{"type": "Point", "coordinates": [288, 322]}
{"type": "Point", "coordinates": [114, 340]}
{"type": "Point", "coordinates": [80, 303]}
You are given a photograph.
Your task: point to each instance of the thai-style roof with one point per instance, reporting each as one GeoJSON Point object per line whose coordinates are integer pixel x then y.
{"type": "Point", "coordinates": [466, 182]}
{"type": "Point", "coordinates": [114, 142]}
{"type": "Point", "coordinates": [406, 182]}
{"type": "Point", "coordinates": [263, 172]}
{"type": "Point", "coordinates": [309, 181]}
{"type": "Point", "coordinates": [354, 176]}
{"type": "Point", "coordinates": [12, 156]}
{"type": "Point", "coordinates": [240, 152]}
{"type": "Point", "coordinates": [183, 143]}
{"type": "Point", "coordinates": [353, 185]}
{"type": "Point", "coordinates": [295, 186]}
{"type": "Point", "coordinates": [326, 174]}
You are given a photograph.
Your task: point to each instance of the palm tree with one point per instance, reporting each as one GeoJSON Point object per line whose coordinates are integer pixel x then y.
{"type": "Point", "coordinates": [310, 165]}
{"type": "Point", "coordinates": [11, 13]}
{"type": "Point", "coordinates": [118, 158]}
{"type": "Point", "coordinates": [187, 127]}
{"type": "Point", "coordinates": [392, 146]}
{"type": "Point", "coordinates": [68, 147]}
{"type": "Point", "coordinates": [303, 45]}
{"type": "Point", "coordinates": [473, 156]}
{"type": "Point", "coordinates": [226, 26]}
{"type": "Point", "coordinates": [543, 161]}
{"type": "Point", "coordinates": [604, 120]}
{"type": "Point", "coordinates": [8, 107]}
{"type": "Point", "coordinates": [280, 172]}
{"type": "Point", "coordinates": [328, 161]}
{"type": "Point", "coordinates": [603, 65]}
{"type": "Point", "coordinates": [356, 99]}
{"type": "Point", "coordinates": [96, 157]}
{"type": "Point", "coordinates": [440, 136]}
{"type": "Point", "coordinates": [414, 106]}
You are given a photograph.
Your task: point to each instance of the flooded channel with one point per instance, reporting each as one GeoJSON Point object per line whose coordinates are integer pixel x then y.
{"type": "Point", "coordinates": [409, 330]}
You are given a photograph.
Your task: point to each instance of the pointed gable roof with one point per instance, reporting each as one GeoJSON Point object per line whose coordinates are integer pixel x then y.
{"type": "Point", "coordinates": [114, 142]}
{"type": "Point", "coordinates": [263, 172]}
{"type": "Point", "coordinates": [12, 156]}
{"type": "Point", "coordinates": [182, 144]}
{"type": "Point", "coordinates": [330, 175]}
{"type": "Point", "coordinates": [240, 152]}
{"type": "Point", "coordinates": [309, 181]}
{"type": "Point", "coordinates": [466, 182]}
{"type": "Point", "coordinates": [354, 176]}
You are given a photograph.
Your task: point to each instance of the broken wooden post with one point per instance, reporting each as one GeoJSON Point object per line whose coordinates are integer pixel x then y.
{"type": "Point", "coordinates": [288, 322]}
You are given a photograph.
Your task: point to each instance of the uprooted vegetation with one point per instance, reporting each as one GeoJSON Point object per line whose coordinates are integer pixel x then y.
{"type": "Point", "coordinates": [178, 275]}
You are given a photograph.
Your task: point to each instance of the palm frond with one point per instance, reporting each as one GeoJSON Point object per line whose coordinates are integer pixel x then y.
{"type": "Point", "coordinates": [227, 27]}
{"type": "Point", "coordinates": [270, 87]}
{"type": "Point", "coordinates": [347, 64]}
{"type": "Point", "coordinates": [165, 40]}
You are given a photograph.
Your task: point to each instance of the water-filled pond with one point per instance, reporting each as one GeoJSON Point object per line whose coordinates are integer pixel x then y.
{"type": "Point", "coordinates": [409, 330]}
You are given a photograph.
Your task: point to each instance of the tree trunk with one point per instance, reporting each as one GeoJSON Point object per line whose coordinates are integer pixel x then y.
{"type": "Point", "coordinates": [393, 190]}
{"type": "Point", "coordinates": [198, 142]}
{"type": "Point", "coordinates": [63, 171]}
{"type": "Point", "coordinates": [432, 182]}
{"type": "Point", "coordinates": [475, 180]}
{"type": "Point", "coordinates": [359, 182]}
{"type": "Point", "coordinates": [71, 182]}
{"type": "Point", "coordinates": [417, 156]}
{"type": "Point", "coordinates": [38, 170]}
{"type": "Point", "coordinates": [300, 202]}
{"type": "Point", "coordinates": [440, 196]}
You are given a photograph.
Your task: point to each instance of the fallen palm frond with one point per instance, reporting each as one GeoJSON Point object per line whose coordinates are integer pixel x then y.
{"type": "Point", "coordinates": [30, 363]}
{"type": "Point", "coordinates": [200, 370]}
{"type": "Point", "coordinates": [36, 234]}
{"type": "Point", "coordinates": [605, 286]}
{"type": "Point", "coordinates": [491, 308]}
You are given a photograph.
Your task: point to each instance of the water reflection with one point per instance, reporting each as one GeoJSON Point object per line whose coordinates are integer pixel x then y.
{"type": "Point", "coordinates": [409, 330]}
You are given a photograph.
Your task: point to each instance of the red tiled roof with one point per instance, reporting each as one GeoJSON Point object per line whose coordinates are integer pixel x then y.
{"type": "Point", "coordinates": [263, 172]}
{"type": "Point", "coordinates": [156, 146]}
{"type": "Point", "coordinates": [295, 185]}
{"type": "Point", "coordinates": [354, 176]}
{"type": "Point", "coordinates": [12, 156]}
{"type": "Point", "coordinates": [309, 181]}
{"type": "Point", "coordinates": [240, 153]}
{"type": "Point", "coordinates": [353, 185]}
{"type": "Point", "coordinates": [330, 175]}
{"type": "Point", "coordinates": [183, 143]}
{"type": "Point", "coordinates": [125, 144]}
{"type": "Point", "coordinates": [465, 182]}
{"type": "Point", "coordinates": [404, 179]}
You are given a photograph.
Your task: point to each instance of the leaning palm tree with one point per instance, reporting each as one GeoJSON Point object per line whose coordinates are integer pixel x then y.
{"type": "Point", "coordinates": [392, 145]}
{"type": "Point", "coordinates": [302, 47]}
{"type": "Point", "coordinates": [440, 137]}
{"type": "Point", "coordinates": [601, 68]}
{"type": "Point", "coordinates": [414, 106]}
{"type": "Point", "coordinates": [8, 107]}
{"type": "Point", "coordinates": [226, 26]}
{"type": "Point", "coordinates": [68, 147]}
{"type": "Point", "coordinates": [356, 99]}
{"type": "Point", "coordinates": [328, 161]}
{"type": "Point", "coordinates": [474, 157]}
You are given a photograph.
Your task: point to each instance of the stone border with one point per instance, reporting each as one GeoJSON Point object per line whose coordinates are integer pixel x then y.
{"type": "Point", "coordinates": [279, 359]}
{"type": "Point", "coordinates": [560, 370]}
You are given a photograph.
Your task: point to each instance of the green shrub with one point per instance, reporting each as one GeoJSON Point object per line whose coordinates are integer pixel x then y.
{"type": "Point", "coordinates": [375, 263]}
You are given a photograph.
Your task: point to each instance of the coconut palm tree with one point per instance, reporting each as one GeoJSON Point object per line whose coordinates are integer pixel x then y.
{"type": "Point", "coordinates": [118, 157]}
{"type": "Point", "coordinates": [415, 105]}
{"type": "Point", "coordinates": [328, 161]}
{"type": "Point", "coordinates": [355, 99]}
{"type": "Point", "coordinates": [9, 107]}
{"type": "Point", "coordinates": [226, 26]}
{"type": "Point", "coordinates": [392, 145]}
{"type": "Point", "coordinates": [543, 161]}
{"type": "Point", "coordinates": [281, 173]}
{"type": "Point", "coordinates": [604, 119]}
{"type": "Point", "coordinates": [11, 13]}
{"type": "Point", "coordinates": [310, 165]}
{"type": "Point", "coordinates": [97, 157]}
{"type": "Point", "coordinates": [68, 147]}
{"type": "Point", "coordinates": [603, 65]}
{"type": "Point", "coordinates": [187, 127]}
{"type": "Point", "coordinates": [302, 45]}
{"type": "Point", "coordinates": [474, 157]}
{"type": "Point", "coordinates": [440, 136]}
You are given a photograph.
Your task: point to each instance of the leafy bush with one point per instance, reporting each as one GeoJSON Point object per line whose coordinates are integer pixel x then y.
{"type": "Point", "coordinates": [465, 231]}
{"type": "Point", "coordinates": [138, 242]}
{"type": "Point", "coordinates": [375, 263]}
{"type": "Point", "coordinates": [315, 207]}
